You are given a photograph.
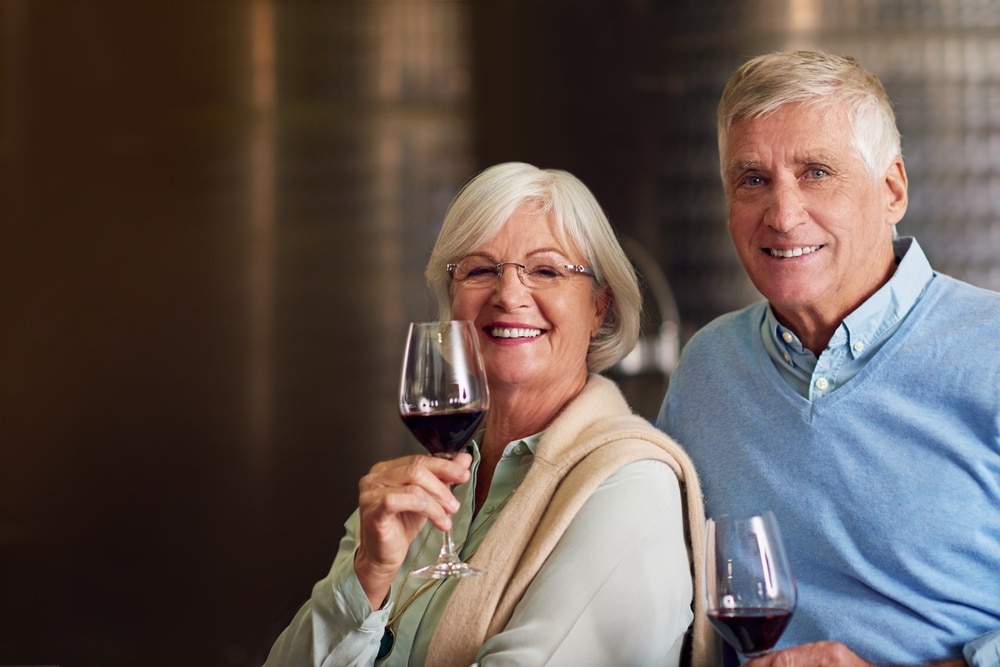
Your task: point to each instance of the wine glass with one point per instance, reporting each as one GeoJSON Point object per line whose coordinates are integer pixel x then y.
{"type": "Point", "coordinates": [750, 590]}
{"type": "Point", "coordinates": [442, 399]}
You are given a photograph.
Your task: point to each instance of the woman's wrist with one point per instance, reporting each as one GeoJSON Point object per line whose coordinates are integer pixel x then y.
{"type": "Point", "coordinates": [375, 581]}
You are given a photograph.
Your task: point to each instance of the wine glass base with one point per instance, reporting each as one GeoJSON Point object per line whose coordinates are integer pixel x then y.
{"type": "Point", "coordinates": [756, 654]}
{"type": "Point", "coordinates": [447, 569]}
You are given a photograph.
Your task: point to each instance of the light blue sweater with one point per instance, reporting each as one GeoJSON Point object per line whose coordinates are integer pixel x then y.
{"type": "Point", "coordinates": [887, 490]}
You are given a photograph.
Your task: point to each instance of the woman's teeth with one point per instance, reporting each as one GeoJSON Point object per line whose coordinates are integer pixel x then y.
{"type": "Point", "coordinates": [515, 333]}
{"type": "Point", "coordinates": [793, 252]}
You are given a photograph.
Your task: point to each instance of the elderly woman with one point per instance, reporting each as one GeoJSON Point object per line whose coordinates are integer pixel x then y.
{"type": "Point", "coordinates": [572, 504]}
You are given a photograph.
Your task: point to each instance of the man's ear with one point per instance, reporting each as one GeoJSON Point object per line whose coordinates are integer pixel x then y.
{"type": "Point", "coordinates": [896, 189]}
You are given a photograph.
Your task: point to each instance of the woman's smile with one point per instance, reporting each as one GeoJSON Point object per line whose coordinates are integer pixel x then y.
{"type": "Point", "coordinates": [513, 332]}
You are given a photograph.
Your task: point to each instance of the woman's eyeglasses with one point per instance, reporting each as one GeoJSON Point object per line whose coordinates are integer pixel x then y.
{"type": "Point", "coordinates": [537, 273]}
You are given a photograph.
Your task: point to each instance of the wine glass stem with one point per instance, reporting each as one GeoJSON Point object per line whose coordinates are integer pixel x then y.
{"type": "Point", "coordinates": [447, 548]}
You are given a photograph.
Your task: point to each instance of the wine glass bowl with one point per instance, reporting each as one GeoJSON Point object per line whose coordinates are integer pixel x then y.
{"type": "Point", "coordinates": [750, 590]}
{"type": "Point", "coordinates": [443, 398]}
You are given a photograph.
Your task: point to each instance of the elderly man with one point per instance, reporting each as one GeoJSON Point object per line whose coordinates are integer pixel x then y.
{"type": "Point", "coordinates": [861, 401]}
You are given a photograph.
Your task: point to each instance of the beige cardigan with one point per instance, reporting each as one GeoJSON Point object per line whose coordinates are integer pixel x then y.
{"type": "Point", "coordinates": [594, 436]}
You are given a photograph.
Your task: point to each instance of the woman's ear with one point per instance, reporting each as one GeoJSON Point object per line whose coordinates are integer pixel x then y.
{"type": "Point", "coordinates": [602, 301]}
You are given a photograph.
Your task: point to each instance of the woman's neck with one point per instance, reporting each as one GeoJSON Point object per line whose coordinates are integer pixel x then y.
{"type": "Point", "coordinates": [516, 414]}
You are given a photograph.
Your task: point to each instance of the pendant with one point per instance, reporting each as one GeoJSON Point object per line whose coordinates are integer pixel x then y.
{"type": "Point", "coordinates": [385, 646]}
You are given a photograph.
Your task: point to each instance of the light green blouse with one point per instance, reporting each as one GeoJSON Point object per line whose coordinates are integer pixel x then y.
{"type": "Point", "coordinates": [616, 590]}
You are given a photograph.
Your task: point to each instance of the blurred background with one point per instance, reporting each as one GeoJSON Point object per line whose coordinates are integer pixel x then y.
{"type": "Point", "coordinates": [214, 217]}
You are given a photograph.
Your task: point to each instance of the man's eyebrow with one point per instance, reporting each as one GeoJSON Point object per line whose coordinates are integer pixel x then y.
{"type": "Point", "coordinates": [742, 166]}
{"type": "Point", "coordinates": [815, 158]}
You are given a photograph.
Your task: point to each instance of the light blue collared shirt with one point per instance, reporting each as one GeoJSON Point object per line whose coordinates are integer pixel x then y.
{"type": "Point", "coordinates": [858, 338]}
{"type": "Point", "coordinates": [886, 489]}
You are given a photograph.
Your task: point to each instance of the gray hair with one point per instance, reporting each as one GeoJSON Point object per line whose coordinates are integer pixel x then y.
{"type": "Point", "coordinates": [481, 209]}
{"type": "Point", "coordinates": [766, 83]}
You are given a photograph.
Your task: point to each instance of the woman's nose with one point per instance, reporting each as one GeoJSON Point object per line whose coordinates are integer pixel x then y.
{"type": "Point", "coordinates": [509, 286]}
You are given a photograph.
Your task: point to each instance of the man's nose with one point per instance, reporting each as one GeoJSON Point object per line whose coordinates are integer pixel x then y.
{"type": "Point", "coordinates": [786, 208]}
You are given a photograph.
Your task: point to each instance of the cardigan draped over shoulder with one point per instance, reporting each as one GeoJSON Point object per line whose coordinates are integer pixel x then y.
{"type": "Point", "coordinates": [595, 435]}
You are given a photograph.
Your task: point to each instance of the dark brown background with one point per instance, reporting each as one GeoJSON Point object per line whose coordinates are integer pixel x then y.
{"type": "Point", "coordinates": [213, 222]}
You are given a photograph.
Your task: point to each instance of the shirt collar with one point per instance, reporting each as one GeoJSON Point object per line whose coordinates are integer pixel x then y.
{"type": "Point", "coordinates": [890, 304]}
{"type": "Point", "coordinates": [879, 313]}
{"type": "Point", "coordinates": [518, 447]}
{"type": "Point", "coordinates": [523, 446]}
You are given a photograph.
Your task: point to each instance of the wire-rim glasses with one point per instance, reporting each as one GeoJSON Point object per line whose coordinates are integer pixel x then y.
{"type": "Point", "coordinates": [478, 271]}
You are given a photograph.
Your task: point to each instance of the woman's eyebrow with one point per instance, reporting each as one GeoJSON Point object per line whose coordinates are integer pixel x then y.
{"type": "Point", "coordinates": [551, 251]}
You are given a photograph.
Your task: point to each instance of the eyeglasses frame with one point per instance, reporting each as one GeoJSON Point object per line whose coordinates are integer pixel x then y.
{"type": "Point", "coordinates": [575, 268]}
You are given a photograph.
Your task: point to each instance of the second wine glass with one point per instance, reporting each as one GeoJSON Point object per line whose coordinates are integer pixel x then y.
{"type": "Point", "coordinates": [750, 590]}
{"type": "Point", "coordinates": [443, 398]}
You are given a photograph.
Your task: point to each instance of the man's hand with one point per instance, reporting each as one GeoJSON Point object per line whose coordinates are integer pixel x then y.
{"type": "Point", "coordinates": [823, 654]}
{"type": "Point", "coordinates": [818, 654]}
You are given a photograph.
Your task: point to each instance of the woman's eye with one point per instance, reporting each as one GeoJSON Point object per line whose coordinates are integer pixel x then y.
{"type": "Point", "coordinates": [545, 272]}
{"type": "Point", "coordinates": [480, 271]}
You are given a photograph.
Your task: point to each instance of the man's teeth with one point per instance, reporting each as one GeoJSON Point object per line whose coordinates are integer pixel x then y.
{"type": "Point", "coordinates": [793, 252]}
{"type": "Point", "coordinates": [515, 333]}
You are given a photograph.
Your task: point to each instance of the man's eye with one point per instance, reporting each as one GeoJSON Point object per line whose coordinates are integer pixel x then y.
{"type": "Point", "coordinates": [817, 173]}
{"type": "Point", "coordinates": [753, 181]}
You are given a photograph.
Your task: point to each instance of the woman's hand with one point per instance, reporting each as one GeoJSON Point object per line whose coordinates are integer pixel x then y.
{"type": "Point", "coordinates": [397, 498]}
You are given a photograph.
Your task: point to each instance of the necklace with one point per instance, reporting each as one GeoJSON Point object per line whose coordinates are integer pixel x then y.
{"type": "Point", "coordinates": [389, 636]}
{"type": "Point", "coordinates": [388, 641]}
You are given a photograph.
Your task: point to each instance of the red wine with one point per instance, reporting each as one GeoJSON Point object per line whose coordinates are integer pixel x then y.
{"type": "Point", "coordinates": [444, 432]}
{"type": "Point", "coordinates": [750, 630]}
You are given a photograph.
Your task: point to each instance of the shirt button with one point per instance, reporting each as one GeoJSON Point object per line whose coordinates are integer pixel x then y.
{"type": "Point", "coordinates": [822, 384]}
{"type": "Point", "coordinates": [519, 449]}
{"type": "Point", "coordinates": [489, 509]}
{"type": "Point", "coordinates": [788, 358]}
{"type": "Point", "coordinates": [787, 337]}
{"type": "Point", "coordinates": [858, 346]}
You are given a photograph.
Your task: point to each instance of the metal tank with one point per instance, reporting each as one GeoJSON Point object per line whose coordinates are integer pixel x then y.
{"type": "Point", "coordinates": [939, 63]}
{"type": "Point", "coordinates": [215, 219]}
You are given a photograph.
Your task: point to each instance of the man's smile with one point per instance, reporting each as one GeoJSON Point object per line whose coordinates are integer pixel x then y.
{"type": "Point", "coordinates": [792, 252]}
